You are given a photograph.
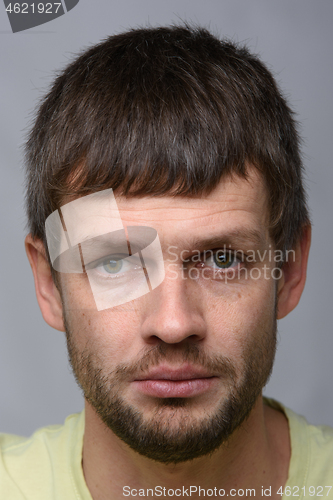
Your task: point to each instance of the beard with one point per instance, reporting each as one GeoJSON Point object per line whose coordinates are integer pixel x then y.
{"type": "Point", "coordinates": [173, 434]}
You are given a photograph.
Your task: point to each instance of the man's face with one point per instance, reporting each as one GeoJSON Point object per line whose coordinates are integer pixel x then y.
{"type": "Point", "coordinates": [176, 371]}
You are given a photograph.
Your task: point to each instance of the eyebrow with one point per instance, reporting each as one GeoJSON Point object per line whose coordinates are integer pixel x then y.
{"type": "Point", "coordinates": [101, 246]}
{"type": "Point", "coordinates": [116, 242]}
{"type": "Point", "coordinates": [236, 237]}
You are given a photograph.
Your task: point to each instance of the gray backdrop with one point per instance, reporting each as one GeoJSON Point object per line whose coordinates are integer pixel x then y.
{"type": "Point", "coordinates": [295, 38]}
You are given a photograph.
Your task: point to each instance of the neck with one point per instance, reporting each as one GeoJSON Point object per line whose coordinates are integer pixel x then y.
{"type": "Point", "coordinates": [256, 456]}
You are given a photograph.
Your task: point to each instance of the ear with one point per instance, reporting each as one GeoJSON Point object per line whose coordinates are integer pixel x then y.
{"type": "Point", "coordinates": [292, 282]}
{"type": "Point", "coordinates": [47, 293]}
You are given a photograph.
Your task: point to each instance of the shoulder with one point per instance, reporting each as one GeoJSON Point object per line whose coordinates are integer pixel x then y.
{"type": "Point", "coordinates": [311, 463]}
{"type": "Point", "coordinates": [33, 467]}
{"type": "Point", "coordinates": [313, 446]}
{"type": "Point", "coordinates": [54, 439]}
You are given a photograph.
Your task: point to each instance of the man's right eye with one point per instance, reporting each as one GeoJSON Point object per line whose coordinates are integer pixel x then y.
{"type": "Point", "coordinates": [114, 266]}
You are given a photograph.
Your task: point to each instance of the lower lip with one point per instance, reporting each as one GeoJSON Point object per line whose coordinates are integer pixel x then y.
{"type": "Point", "coordinates": [175, 388]}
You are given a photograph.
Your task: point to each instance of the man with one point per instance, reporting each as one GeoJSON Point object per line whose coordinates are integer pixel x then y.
{"type": "Point", "coordinates": [169, 232]}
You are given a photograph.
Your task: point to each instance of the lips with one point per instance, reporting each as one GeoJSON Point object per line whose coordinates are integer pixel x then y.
{"type": "Point", "coordinates": [168, 382]}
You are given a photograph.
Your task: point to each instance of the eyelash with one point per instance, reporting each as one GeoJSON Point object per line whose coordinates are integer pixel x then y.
{"type": "Point", "coordinates": [214, 269]}
{"type": "Point", "coordinates": [101, 263]}
{"type": "Point", "coordinates": [229, 253]}
{"type": "Point", "coordinates": [237, 263]}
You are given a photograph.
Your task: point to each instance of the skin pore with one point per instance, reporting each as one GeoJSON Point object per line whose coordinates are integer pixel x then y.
{"type": "Point", "coordinates": [206, 339]}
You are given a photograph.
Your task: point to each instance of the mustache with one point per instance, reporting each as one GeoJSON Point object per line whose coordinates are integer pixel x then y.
{"type": "Point", "coordinates": [220, 366]}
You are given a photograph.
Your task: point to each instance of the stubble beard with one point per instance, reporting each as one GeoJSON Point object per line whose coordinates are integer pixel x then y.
{"type": "Point", "coordinates": [158, 437]}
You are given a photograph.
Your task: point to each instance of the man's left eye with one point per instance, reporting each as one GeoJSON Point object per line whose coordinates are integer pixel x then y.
{"type": "Point", "coordinates": [222, 260]}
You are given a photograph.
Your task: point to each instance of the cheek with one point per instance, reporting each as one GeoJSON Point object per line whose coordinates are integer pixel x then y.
{"type": "Point", "coordinates": [109, 333]}
{"type": "Point", "coordinates": [240, 316]}
{"type": "Point", "coordinates": [76, 293]}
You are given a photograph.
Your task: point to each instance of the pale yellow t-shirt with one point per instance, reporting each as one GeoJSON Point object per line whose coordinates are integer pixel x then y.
{"type": "Point", "coordinates": [47, 466]}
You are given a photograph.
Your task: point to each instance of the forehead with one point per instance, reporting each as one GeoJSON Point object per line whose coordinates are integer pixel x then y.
{"type": "Point", "coordinates": [235, 212]}
{"type": "Point", "coordinates": [235, 203]}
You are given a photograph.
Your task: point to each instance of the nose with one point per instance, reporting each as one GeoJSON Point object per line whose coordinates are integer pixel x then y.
{"type": "Point", "coordinates": [173, 312]}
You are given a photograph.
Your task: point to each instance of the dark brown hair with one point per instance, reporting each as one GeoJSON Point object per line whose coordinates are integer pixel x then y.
{"type": "Point", "coordinates": [167, 110]}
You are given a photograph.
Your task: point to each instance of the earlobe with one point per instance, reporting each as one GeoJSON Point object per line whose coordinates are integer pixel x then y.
{"type": "Point", "coordinates": [292, 282]}
{"type": "Point", "coordinates": [48, 296]}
